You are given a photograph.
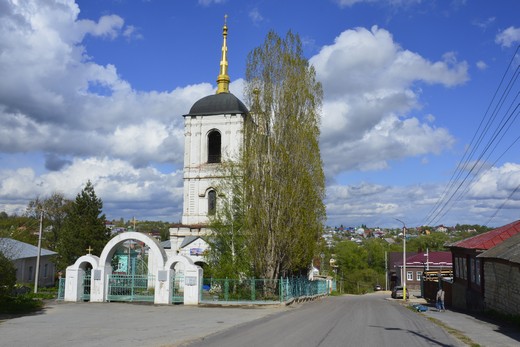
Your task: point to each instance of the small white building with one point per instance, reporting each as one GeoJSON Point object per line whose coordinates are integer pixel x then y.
{"type": "Point", "coordinates": [24, 256]}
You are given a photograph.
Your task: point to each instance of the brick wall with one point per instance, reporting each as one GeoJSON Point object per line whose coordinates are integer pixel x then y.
{"type": "Point", "coordinates": [501, 289]}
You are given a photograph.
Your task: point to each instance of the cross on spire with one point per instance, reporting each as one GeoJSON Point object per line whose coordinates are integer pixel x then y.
{"type": "Point", "coordinates": [89, 250]}
{"type": "Point", "coordinates": [223, 78]}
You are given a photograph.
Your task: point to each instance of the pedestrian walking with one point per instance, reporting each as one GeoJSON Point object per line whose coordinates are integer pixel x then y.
{"type": "Point", "coordinates": [440, 300]}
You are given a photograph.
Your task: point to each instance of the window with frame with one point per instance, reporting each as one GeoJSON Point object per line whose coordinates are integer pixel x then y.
{"type": "Point", "coordinates": [418, 276]}
{"type": "Point", "coordinates": [214, 147]}
{"type": "Point", "coordinates": [212, 202]}
{"type": "Point", "coordinates": [409, 275]}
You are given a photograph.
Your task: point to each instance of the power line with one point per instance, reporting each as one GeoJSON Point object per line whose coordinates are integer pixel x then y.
{"type": "Point", "coordinates": [459, 184]}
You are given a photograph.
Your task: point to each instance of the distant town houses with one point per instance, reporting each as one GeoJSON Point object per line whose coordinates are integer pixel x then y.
{"type": "Point", "coordinates": [360, 233]}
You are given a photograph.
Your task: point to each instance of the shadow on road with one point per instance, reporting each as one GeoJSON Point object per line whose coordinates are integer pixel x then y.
{"type": "Point", "coordinates": [435, 342]}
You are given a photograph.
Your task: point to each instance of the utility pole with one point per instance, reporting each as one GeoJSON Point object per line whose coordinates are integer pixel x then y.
{"type": "Point", "coordinates": [404, 259]}
{"type": "Point", "coordinates": [37, 271]}
{"type": "Point", "coordinates": [386, 270]}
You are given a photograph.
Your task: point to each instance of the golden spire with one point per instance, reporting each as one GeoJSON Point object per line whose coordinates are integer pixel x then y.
{"type": "Point", "coordinates": [223, 78]}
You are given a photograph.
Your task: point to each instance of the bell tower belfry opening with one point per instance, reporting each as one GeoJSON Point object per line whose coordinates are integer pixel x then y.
{"type": "Point", "coordinates": [213, 134]}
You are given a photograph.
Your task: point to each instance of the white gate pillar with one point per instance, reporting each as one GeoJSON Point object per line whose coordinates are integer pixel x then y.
{"type": "Point", "coordinates": [163, 287]}
{"type": "Point", "coordinates": [73, 284]}
{"type": "Point", "coordinates": [99, 284]}
{"type": "Point", "coordinates": [192, 285]}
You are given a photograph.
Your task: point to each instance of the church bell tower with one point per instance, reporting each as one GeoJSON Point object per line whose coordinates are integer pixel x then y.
{"type": "Point", "coordinates": [213, 134]}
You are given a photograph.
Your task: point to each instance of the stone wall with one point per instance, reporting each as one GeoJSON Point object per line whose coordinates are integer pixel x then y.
{"type": "Point", "coordinates": [501, 289]}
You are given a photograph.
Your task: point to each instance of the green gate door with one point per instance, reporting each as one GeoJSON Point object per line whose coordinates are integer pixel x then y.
{"type": "Point", "coordinates": [177, 286]}
{"type": "Point", "coordinates": [131, 288]}
{"type": "Point", "coordinates": [85, 296]}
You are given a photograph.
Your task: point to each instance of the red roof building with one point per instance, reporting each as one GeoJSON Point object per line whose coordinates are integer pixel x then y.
{"type": "Point", "coordinates": [417, 264]}
{"type": "Point", "coordinates": [490, 239]}
{"type": "Point", "coordinates": [468, 284]}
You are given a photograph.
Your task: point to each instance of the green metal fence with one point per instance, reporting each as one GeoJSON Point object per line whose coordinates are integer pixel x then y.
{"type": "Point", "coordinates": [130, 288]}
{"type": "Point", "coordinates": [291, 288]}
{"type": "Point", "coordinates": [260, 290]}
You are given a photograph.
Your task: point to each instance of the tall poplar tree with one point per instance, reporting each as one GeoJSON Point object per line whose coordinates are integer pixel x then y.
{"type": "Point", "coordinates": [282, 172]}
{"type": "Point", "coordinates": [83, 228]}
{"type": "Point", "coordinates": [54, 210]}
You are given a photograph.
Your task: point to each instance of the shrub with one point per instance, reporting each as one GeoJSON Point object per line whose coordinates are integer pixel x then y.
{"type": "Point", "coordinates": [19, 304]}
{"type": "Point", "coordinates": [7, 275]}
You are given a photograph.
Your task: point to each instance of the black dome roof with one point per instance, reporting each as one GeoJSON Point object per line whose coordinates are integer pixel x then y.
{"type": "Point", "coordinates": [223, 103]}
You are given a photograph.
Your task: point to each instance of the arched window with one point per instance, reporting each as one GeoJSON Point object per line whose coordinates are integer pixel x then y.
{"type": "Point", "coordinates": [212, 202]}
{"type": "Point", "coordinates": [214, 147]}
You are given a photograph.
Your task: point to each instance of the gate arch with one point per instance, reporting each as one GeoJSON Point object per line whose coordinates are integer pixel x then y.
{"type": "Point", "coordinates": [75, 275]}
{"type": "Point", "coordinates": [99, 287]}
{"type": "Point", "coordinates": [162, 272]}
{"type": "Point", "coordinates": [156, 251]}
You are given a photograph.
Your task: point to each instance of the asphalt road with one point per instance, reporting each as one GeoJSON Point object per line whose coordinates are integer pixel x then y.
{"type": "Point", "coordinates": [368, 320]}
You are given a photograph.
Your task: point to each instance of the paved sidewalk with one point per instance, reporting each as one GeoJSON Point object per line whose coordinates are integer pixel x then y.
{"type": "Point", "coordinates": [123, 324]}
{"type": "Point", "coordinates": [479, 329]}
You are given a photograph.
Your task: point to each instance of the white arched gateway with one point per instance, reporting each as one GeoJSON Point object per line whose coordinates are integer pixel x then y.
{"type": "Point", "coordinates": [75, 275]}
{"type": "Point", "coordinates": [161, 272]}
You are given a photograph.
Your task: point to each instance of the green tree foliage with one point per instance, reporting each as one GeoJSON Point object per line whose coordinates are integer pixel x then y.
{"type": "Point", "coordinates": [435, 241]}
{"type": "Point", "coordinates": [148, 227]}
{"type": "Point", "coordinates": [7, 275]}
{"type": "Point", "coordinates": [229, 256]}
{"type": "Point", "coordinates": [54, 211]}
{"type": "Point", "coordinates": [361, 266]}
{"type": "Point", "coordinates": [83, 227]}
{"type": "Point", "coordinates": [21, 228]}
{"type": "Point", "coordinates": [283, 178]}
{"type": "Point", "coordinates": [350, 256]}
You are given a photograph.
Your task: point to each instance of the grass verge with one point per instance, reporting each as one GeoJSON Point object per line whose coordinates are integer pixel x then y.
{"type": "Point", "coordinates": [19, 304]}
{"type": "Point", "coordinates": [454, 332]}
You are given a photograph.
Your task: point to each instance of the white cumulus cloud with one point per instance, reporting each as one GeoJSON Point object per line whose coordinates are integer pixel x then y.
{"type": "Point", "coordinates": [508, 37]}
{"type": "Point", "coordinates": [369, 83]}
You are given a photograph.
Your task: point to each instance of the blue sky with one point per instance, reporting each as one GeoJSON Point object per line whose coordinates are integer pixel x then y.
{"type": "Point", "coordinates": [96, 89]}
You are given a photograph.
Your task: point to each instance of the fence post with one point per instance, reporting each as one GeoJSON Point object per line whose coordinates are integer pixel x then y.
{"type": "Point", "coordinates": [280, 287]}
{"type": "Point", "coordinates": [253, 288]}
{"type": "Point", "coordinates": [226, 289]}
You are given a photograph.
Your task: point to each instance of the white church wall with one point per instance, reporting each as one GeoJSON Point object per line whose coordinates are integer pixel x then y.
{"type": "Point", "coordinates": [199, 175]}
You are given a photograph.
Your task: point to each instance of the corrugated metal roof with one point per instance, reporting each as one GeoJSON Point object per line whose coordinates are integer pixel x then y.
{"type": "Point", "coordinates": [188, 239]}
{"type": "Point", "coordinates": [508, 250]}
{"type": "Point", "coordinates": [14, 249]}
{"type": "Point", "coordinates": [166, 244]}
{"type": "Point", "coordinates": [490, 239]}
{"type": "Point", "coordinates": [440, 258]}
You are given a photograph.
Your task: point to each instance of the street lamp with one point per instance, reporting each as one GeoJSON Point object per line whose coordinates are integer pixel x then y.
{"type": "Point", "coordinates": [404, 258]}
